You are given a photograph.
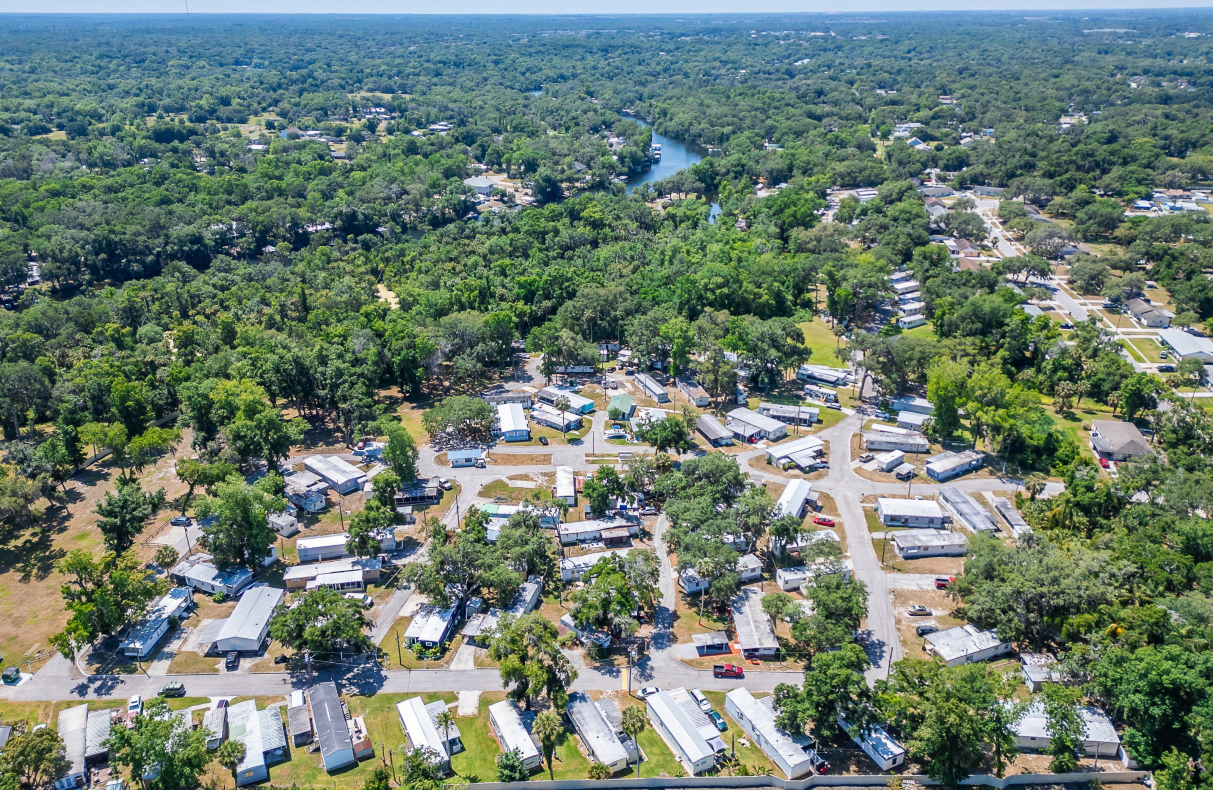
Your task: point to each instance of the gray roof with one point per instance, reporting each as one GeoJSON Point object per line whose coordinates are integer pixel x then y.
{"type": "Point", "coordinates": [331, 729]}
{"type": "Point", "coordinates": [1118, 438]}
{"type": "Point", "coordinates": [710, 639]}
{"type": "Point", "coordinates": [965, 508]}
{"type": "Point", "coordinates": [73, 724]}
{"type": "Point", "coordinates": [299, 719]}
{"type": "Point", "coordinates": [596, 732]}
{"type": "Point", "coordinates": [97, 731]}
{"type": "Point", "coordinates": [710, 427]}
{"type": "Point", "coordinates": [927, 537]}
{"type": "Point", "coordinates": [679, 726]}
{"type": "Point", "coordinates": [753, 627]}
{"type": "Point", "coordinates": [249, 618]}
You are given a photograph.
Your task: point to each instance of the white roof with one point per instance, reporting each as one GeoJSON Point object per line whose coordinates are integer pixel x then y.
{"type": "Point", "coordinates": [1185, 344]}
{"type": "Point", "coordinates": [334, 468]}
{"type": "Point", "coordinates": [586, 561]}
{"type": "Point", "coordinates": [512, 730]}
{"type": "Point", "coordinates": [511, 417]}
{"type": "Point", "coordinates": [679, 727]}
{"type": "Point", "coordinates": [927, 537]}
{"type": "Point", "coordinates": [791, 501]}
{"type": "Point", "coordinates": [565, 486]}
{"type": "Point", "coordinates": [340, 577]}
{"type": "Point", "coordinates": [961, 641]}
{"type": "Point", "coordinates": [913, 418]}
{"type": "Point", "coordinates": [149, 628]}
{"type": "Point", "coordinates": [419, 727]}
{"type": "Point", "coordinates": [805, 444]}
{"type": "Point", "coordinates": [312, 570]}
{"type": "Point", "coordinates": [554, 415]}
{"type": "Point", "coordinates": [753, 627]}
{"type": "Point", "coordinates": [1097, 726]}
{"type": "Point", "coordinates": [877, 740]}
{"type": "Point", "coordinates": [323, 541]}
{"type": "Point", "coordinates": [429, 624]}
{"type": "Point", "coordinates": [596, 732]}
{"type": "Point", "coordinates": [753, 418]}
{"type": "Point", "coordinates": [916, 508]}
{"type": "Point", "coordinates": [250, 617]}
{"type": "Point", "coordinates": [761, 714]}
{"type": "Point", "coordinates": [576, 402]}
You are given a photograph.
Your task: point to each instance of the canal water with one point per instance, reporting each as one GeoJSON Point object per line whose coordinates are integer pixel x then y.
{"type": "Point", "coordinates": [675, 155]}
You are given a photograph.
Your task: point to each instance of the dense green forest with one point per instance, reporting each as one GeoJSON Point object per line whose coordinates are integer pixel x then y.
{"type": "Point", "coordinates": [199, 252]}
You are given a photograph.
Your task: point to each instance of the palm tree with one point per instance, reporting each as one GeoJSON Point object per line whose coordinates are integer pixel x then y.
{"type": "Point", "coordinates": [1034, 484]}
{"type": "Point", "coordinates": [446, 720]}
{"type": "Point", "coordinates": [635, 722]}
{"type": "Point", "coordinates": [599, 771]}
{"type": "Point", "coordinates": [230, 754]}
{"type": "Point", "coordinates": [707, 568]}
{"type": "Point", "coordinates": [1114, 401]}
{"type": "Point", "coordinates": [1080, 390]}
{"type": "Point", "coordinates": [549, 728]}
{"type": "Point", "coordinates": [562, 405]}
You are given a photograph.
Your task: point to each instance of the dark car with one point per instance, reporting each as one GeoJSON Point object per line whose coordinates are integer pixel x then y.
{"type": "Point", "coordinates": [820, 766]}
{"type": "Point", "coordinates": [281, 658]}
{"type": "Point", "coordinates": [727, 671]}
{"type": "Point", "coordinates": [543, 440]}
{"type": "Point", "coordinates": [718, 720]}
{"type": "Point", "coordinates": [1166, 368]}
{"type": "Point", "coordinates": [926, 628]}
{"type": "Point", "coordinates": [232, 661]}
{"type": "Point", "coordinates": [172, 690]}
{"type": "Point", "coordinates": [181, 521]}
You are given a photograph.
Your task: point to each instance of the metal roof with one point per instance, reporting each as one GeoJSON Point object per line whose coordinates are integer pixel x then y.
{"type": "Point", "coordinates": [429, 624]}
{"type": "Point", "coordinates": [761, 714]}
{"type": "Point", "coordinates": [649, 384]}
{"type": "Point", "coordinates": [419, 727]}
{"type": "Point", "coordinates": [960, 641]}
{"type": "Point", "coordinates": [972, 515]}
{"type": "Point", "coordinates": [329, 718]}
{"type": "Point", "coordinates": [312, 570]}
{"type": "Point", "coordinates": [244, 724]}
{"type": "Point", "coordinates": [586, 561]}
{"type": "Point", "coordinates": [752, 625]}
{"type": "Point", "coordinates": [340, 577]}
{"type": "Point", "coordinates": [565, 484]}
{"type": "Point", "coordinates": [250, 617]}
{"type": "Point", "coordinates": [576, 402]}
{"type": "Point", "coordinates": [323, 541]}
{"type": "Point", "coordinates": [917, 508]}
{"type": "Point", "coordinates": [679, 726]}
{"type": "Point", "coordinates": [333, 468]}
{"type": "Point", "coordinates": [1186, 345]}
{"type": "Point", "coordinates": [714, 638]}
{"type": "Point", "coordinates": [199, 568]}
{"type": "Point", "coordinates": [927, 537]}
{"type": "Point", "coordinates": [912, 418]}
{"type": "Point", "coordinates": [1010, 515]}
{"type": "Point", "coordinates": [511, 417]}
{"type": "Point", "coordinates": [151, 627]}
{"type": "Point", "coordinates": [97, 731]}
{"type": "Point", "coordinates": [512, 729]}
{"type": "Point", "coordinates": [1096, 725]}
{"type": "Point", "coordinates": [596, 732]}
{"type": "Point", "coordinates": [711, 428]}
{"type": "Point", "coordinates": [756, 420]}
{"type": "Point", "coordinates": [791, 501]}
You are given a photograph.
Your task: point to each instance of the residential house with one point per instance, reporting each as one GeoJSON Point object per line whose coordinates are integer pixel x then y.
{"type": "Point", "coordinates": [965, 644]}
{"type": "Point", "coordinates": [1118, 441]}
{"type": "Point", "coordinates": [306, 490]}
{"type": "Point", "coordinates": [368, 569]}
{"type": "Point", "coordinates": [793, 500]}
{"type": "Point", "coordinates": [755, 635]}
{"type": "Point", "coordinates": [249, 623]}
{"type": "Point", "coordinates": [710, 429]}
{"type": "Point", "coordinates": [1187, 346]}
{"type": "Point", "coordinates": [522, 397]}
{"type": "Point", "coordinates": [578, 404]}
{"type": "Point", "coordinates": [566, 486]}
{"type": "Point", "coordinates": [792, 415]}
{"type": "Point", "coordinates": [966, 510]}
{"type": "Point", "coordinates": [914, 544]}
{"type": "Point", "coordinates": [912, 403]}
{"type": "Point", "coordinates": [1015, 522]}
{"type": "Point", "coordinates": [911, 420]}
{"type": "Point", "coordinates": [1099, 734]}
{"type": "Point", "coordinates": [1038, 669]}
{"type": "Point", "coordinates": [612, 533]}
{"type": "Point", "coordinates": [263, 737]}
{"type": "Point", "coordinates": [419, 722]}
{"type": "Point", "coordinates": [72, 729]}
{"type": "Point", "coordinates": [835, 377]}
{"type": "Point", "coordinates": [652, 388]}
{"type": "Point", "coordinates": [793, 754]}
{"type": "Point", "coordinates": [803, 453]}
{"type": "Point", "coordinates": [430, 627]}
{"type": "Point", "coordinates": [283, 524]}
{"type": "Point", "coordinates": [1147, 314]}
{"type": "Point", "coordinates": [911, 321]}
{"type": "Point", "coordinates": [199, 572]}
{"type": "Point", "coordinates": [676, 728]}
{"type": "Point", "coordinates": [887, 462]}
{"type": "Point", "coordinates": [907, 441]}
{"type": "Point", "coordinates": [332, 731]}
{"type": "Point", "coordinates": [948, 464]}
{"type": "Point", "coordinates": [572, 569]}
{"type": "Point", "coordinates": [143, 637]}
{"type": "Point", "coordinates": [557, 420]}
{"type": "Point", "coordinates": [876, 744]}
{"type": "Point", "coordinates": [512, 726]}
{"type": "Point", "coordinates": [909, 513]}
{"type": "Point", "coordinates": [602, 738]}
{"type": "Point", "coordinates": [462, 459]}
{"type": "Point", "coordinates": [750, 426]}
{"type": "Point", "coordinates": [623, 403]}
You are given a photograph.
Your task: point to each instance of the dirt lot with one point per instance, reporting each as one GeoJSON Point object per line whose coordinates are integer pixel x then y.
{"type": "Point", "coordinates": [941, 607]}
{"type": "Point", "coordinates": [31, 606]}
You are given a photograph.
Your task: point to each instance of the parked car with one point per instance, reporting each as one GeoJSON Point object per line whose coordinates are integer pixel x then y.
{"type": "Point", "coordinates": [1162, 355]}
{"type": "Point", "coordinates": [281, 658]}
{"type": "Point", "coordinates": [1105, 463]}
{"type": "Point", "coordinates": [863, 459]}
{"type": "Point", "coordinates": [647, 692]}
{"type": "Point", "coordinates": [362, 598]}
{"type": "Point", "coordinates": [881, 414]}
{"type": "Point", "coordinates": [1166, 368]}
{"type": "Point", "coordinates": [614, 384]}
{"type": "Point", "coordinates": [134, 705]}
{"type": "Point", "coordinates": [834, 406]}
{"type": "Point", "coordinates": [1067, 325]}
{"type": "Point", "coordinates": [172, 690]}
{"type": "Point", "coordinates": [926, 628]}
{"type": "Point", "coordinates": [919, 611]}
{"type": "Point", "coordinates": [820, 766]}
{"type": "Point", "coordinates": [942, 582]}
{"type": "Point", "coordinates": [648, 511]}
{"type": "Point", "coordinates": [824, 521]}
{"type": "Point", "coordinates": [445, 484]}
{"type": "Point", "coordinates": [703, 702]}
{"type": "Point", "coordinates": [543, 440]}
{"type": "Point", "coordinates": [232, 662]}
{"type": "Point", "coordinates": [718, 720]}
{"type": "Point", "coordinates": [181, 521]}
{"type": "Point", "coordinates": [727, 671]}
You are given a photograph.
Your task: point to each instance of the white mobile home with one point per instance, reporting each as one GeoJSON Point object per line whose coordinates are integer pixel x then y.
{"type": "Point", "coordinates": [283, 524]}
{"type": "Point", "coordinates": [418, 722]}
{"type": "Point", "coordinates": [572, 569]}
{"type": "Point", "coordinates": [343, 476]}
{"type": "Point", "coordinates": [911, 321]}
{"type": "Point", "coordinates": [835, 377]}
{"type": "Point", "coordinates": [72, 728]}
{"type": "Point", "coordinates": [649, 386]}
{"type": "Point", "coordinates": [306, 490]}
{"type": "Point", "coordinates": [245, 630]}
{"type": "Point", "coordinates": [430, 627]}
{"type": "Point", "coordinates": [793, 500]}
{"type": "Point", "coordinates": [1015, 522]}
{"type": "Point", "coordinates": [788, 414]}
{"type": "Point", "coordinates": [612, 533]}
{"type": "Point", "coordinates": [509, 722]}
{"type": "Point", "coordinates": [199, 572]}
{"type": "Point", "coordinates": [680, 734]}
{"type": "Point", "coordinates": [1099, 734]}
{"type": "Point", "coordinates": [263, 737]}
{"type": "Point", "coordinates": [144, 635]}
{"type": "Point", "coordinates": [912, 403]}
{"type": "Point", "coordinates": [602, 737]}
{"type": "Point", "coordinates": [912, 420]}
{"type": "Point", "coordinates": [578, 404]}
{"type": "Point", "coordinates": [909, 513]}
{"type": "Point", "coordinates": [695, 393]}
{"type": "Point", "coordinates": [887, 462]}
{"type": "Point", "coordinates": [802, 453]}
{"type": "Point", "coordinates": [913, 544]}
{"type": "Point", "coordinates": [750, 426]}
{"type": "Point", "coordinates": [907, 442]}
{"type": "Point", "coordinates": [948, 464]}
{"type": "Point", "coordinates": [566, 485]}
{"type": "Point", "coordinates": [710, 428]}
{"type": "Point", "coordinates": [755, 635]}
{"type": "Point", "coordinates": [554, 419]}
{"type": "Point", "coordinates": [296, 577]}
{"type": "Point", "coordinates": [965, 645]}
{"type": "Point", "coordinates": [792, 754]}
{"type": "Point", "coordinates": [876, 743]}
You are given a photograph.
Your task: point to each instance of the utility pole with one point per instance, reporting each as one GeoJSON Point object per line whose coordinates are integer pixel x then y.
{"type": "Point", "coordinates": [399, 660]}
{"type": "Point", "coordinates": [307, 659]}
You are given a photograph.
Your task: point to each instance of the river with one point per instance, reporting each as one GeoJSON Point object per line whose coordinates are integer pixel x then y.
{"type": "Point", "coordinates": [675, 155]}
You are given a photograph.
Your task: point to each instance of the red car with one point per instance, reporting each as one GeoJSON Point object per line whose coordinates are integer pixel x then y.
{"type": "Point", "coordinates": [824, 521]}
{"type": "Point", "coordinates": [1105, 463]}
{"type": "Point", "coordinates": [942, 582]}
{"type": "Point", "coordinates": [727, 671]}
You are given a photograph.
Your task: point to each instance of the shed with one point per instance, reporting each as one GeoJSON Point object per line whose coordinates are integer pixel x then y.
{"type": "Point", "coordinates": [332, 732]}
{"type": "Point", "coordinates": [710, 644]}
{"type": "Point", "coordinates": [245, 630]}
{"type": "Point", "coordinates": [299, 722]}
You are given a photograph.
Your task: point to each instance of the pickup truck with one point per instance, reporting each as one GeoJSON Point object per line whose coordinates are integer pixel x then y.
{"type": "Point", "coordinates": [727, 671]}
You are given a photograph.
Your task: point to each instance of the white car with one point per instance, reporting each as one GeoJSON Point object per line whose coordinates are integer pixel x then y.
{"type": "Point", "coordinates": [362, 598]}
{"type": "Point", "coordinates": [134, 705]}
{"type": "Point", "coordinates": [703, 702]}
{"type": "Point", "coordinates": [647, 692]}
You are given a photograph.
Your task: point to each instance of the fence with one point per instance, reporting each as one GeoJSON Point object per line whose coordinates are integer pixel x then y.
{"type": "Point", "coordinates": [775, 783]}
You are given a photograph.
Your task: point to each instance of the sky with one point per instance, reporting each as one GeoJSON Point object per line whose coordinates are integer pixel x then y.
{"type": "Point", "coordinates": [596, 7]}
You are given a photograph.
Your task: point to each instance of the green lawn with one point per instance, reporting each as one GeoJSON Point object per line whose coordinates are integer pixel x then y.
{"type": "Point", "coordinates": [1134, 352]}
{"type": "Point", "coordinates": [515, 494]}
{"type": "Point", "coordinates": [1148, 347]}
{"type": "Point", "coordinates": [477, 761]}
{"type": "Point", "coordinates": [819, 337]}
